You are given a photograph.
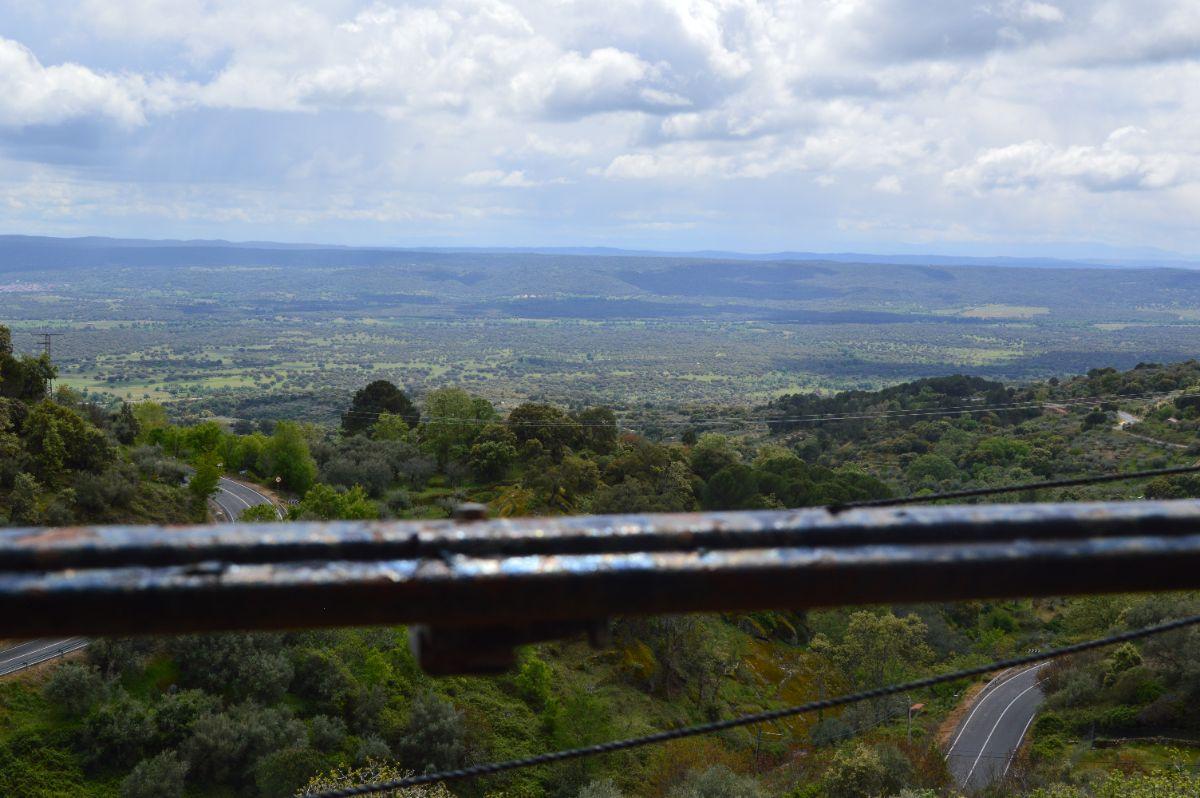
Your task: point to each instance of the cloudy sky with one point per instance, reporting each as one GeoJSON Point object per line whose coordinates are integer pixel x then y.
{"type": "Point", "coordinates": [870, 125]}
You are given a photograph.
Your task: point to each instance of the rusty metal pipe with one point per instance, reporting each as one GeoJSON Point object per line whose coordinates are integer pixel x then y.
{"type": "Point", "coordinates": [25, 550]}
{"type": "Point", "coordinates": [1008, 551]}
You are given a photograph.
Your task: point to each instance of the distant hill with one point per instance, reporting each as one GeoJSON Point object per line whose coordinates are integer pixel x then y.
{"type": "Point", "coordinates": [33, 253]}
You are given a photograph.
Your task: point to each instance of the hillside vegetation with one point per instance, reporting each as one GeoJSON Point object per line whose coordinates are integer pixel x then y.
{"type": "Point", "coordinates": [268, 714]}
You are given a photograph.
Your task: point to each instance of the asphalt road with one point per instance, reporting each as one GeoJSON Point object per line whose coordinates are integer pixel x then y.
{"type": "Point", "coordinates": [232, 497]}
{"type": "Point", "coordinates": [32, 652]}
{"type": "Point", "coordinates": [990, 734]}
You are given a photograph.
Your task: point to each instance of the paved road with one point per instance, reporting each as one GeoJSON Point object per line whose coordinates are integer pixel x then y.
{"type": "Point", "coordinates": [232, 497]}
{"type": "Point", "coordinates": [990, 734]}
{"type": "Point", "coordinates": [32, 652]}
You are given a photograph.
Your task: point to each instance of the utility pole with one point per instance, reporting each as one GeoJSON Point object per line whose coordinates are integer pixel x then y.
{"type": "Point", "coordinates": [47, 341]}
{"type": "Point", "coordinates": [47, 350]}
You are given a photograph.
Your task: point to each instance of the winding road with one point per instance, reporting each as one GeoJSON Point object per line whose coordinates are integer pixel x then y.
{"type": "Point", "coordinates": [988, 737]}
{"type": "Point", "coordinates": [231, 499]}
{"type": "Point", "coordinates": [234, 497]}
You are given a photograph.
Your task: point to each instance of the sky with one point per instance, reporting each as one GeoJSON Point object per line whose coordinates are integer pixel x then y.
{"type": "Point", "coordinates": [951, 126]}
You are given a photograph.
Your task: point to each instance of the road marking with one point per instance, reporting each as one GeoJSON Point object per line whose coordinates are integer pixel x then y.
{"type": "Point", "coordinates": [984, 697]}
{"type": "Point", "coordinates": [995, 726]}
{"type": "Point", "coordinates": [1020, 739]}
{"type": "Point", "coordinates": [22, 661]}
{"type": "Point", "coordinates": [234, 495]}
{"type": "Point", "coordinates": [266, 499]}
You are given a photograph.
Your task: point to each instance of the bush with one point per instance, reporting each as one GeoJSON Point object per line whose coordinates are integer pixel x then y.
{"type": "Point", "coordinates": [856, 771]}
{"type": "Point", "coordinates": [176, 711]}
{"type": "Point", "coordinates": [716, 782]}
{"type": "Point", "coordinates": [830, 730]}
{"type": "Point", "coordinates": [434, 736]}
{"type": "Point", "coordinates": [326, 733]}
{"type": "Point", "coordinates": [119, 732]}
{"type": "Point", "coordinates": [75, 688]}
{"type": "Point", "coordinates": [1115, 719]}
{"type": "Point", "coordinates": [600, 789]}
{"type": "Point", "coordinates": [238, 665]}
{"type": "Point", "coordinates": [158, 777]}
{"type": "Point", "coordinates": [118, 656]}
{"type": "Point", "coordinates": [282, 773]}
{"type": "Point", "coordinates": [371, 748]}
{"type": "Point", "coordinates": [225, 746]}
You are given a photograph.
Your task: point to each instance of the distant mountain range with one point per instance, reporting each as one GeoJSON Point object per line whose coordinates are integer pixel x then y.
{"type": "Point", "coordinates": [19, 252]}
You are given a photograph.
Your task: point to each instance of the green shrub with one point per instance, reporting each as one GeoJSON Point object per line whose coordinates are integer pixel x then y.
{"type": "Point", "coordinates": [160, 776]}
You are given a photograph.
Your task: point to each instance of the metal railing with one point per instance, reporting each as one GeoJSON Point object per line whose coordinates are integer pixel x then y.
{"type": "Point", "coordinates": [476, 588]}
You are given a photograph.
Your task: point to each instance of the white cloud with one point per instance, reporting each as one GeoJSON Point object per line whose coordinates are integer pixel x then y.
{"type": "Point", "coordinates": [34, 94]}
{"type": "Point", "coordinates": [889, 184]}
{"type": "Point", "coordinates": [499, 178]}
{"type": "Point", "coordinates": [1113, 166]}
{"type": "Point", "coordinates": [791, 109]}
{"type": "Point", "coordinates": [1041, 12]}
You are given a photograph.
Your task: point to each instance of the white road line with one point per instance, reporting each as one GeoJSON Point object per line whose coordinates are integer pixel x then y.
{"type": "Point", "coordinates": [995, 726]}
{"type": "Point", "coordinates": [266, 499]}
{"type": "Point", "coordinates": [34, 652]}
{"type": "Point", "coordinates": [1020, 739]}
{"type": "Point", "coordinates": [984, 697]}
{"type": "Point", "coordinates": [22, 661]}
{"type": "Point", "coordinates": [234, 495]}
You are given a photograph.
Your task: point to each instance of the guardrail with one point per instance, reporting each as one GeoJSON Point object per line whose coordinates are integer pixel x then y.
{"type": "Point", "coordinates": [476, 588]}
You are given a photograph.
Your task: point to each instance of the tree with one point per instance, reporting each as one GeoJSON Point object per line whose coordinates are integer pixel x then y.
{"type": "Point", "coordinates": [323, 503]}
{"type": "Point", "coordinates": [286, 456]}
{"type": "Point", "coordinates": [158, 777]}
{"type": "Point", "coordinates": [259, 514]}
{"type": "Point", "coordinates": [490, 460]}
{"type": "Point", "coordinates": [149, 417]}
{"type": "Point", "coordinates": [59, 439]}
{"type": "Point", "coordinates": [712, 453]}
{"type": "Point", "coordinates": [376, 398]}
{"type": "Point", "coordinates": [553, 429]}
{"type": "Point", "coordinates": [454, 421]}
{"type": "Point", "coordinates": [25, 377]}
{"type": "Point", "coordinates": [391, 427]}
{"type": "Point", "coordinates": [878, 648]}
{"type": "Point", "coordinates": [125, 425]}
{"type": "Point", "coordinates": [205, 478]}
{"type": "Point", "coordinates": [597, 430]}
{"type": "Point", "coordinates": [734, 487]}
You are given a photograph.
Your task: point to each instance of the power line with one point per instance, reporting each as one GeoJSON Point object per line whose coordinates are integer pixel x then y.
{"type": "Point", "coordinates": [492, 768]}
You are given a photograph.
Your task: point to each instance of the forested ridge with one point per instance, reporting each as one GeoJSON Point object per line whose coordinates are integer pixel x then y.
{"type": "Point", "coordinates": [269, 714]}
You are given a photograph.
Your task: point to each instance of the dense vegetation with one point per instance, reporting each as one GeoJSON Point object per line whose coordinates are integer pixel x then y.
{"type": "Point", "coordinates": [274, 714]}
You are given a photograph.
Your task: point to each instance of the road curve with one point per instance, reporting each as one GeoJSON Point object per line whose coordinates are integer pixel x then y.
{"type": "Point", "coordinates": [986, 741]}
{"type": "Point", "coordinates": [232, 497]}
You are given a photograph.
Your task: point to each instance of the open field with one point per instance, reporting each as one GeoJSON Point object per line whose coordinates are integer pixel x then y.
{"type": "Point", "coordinates": [293, 338]}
